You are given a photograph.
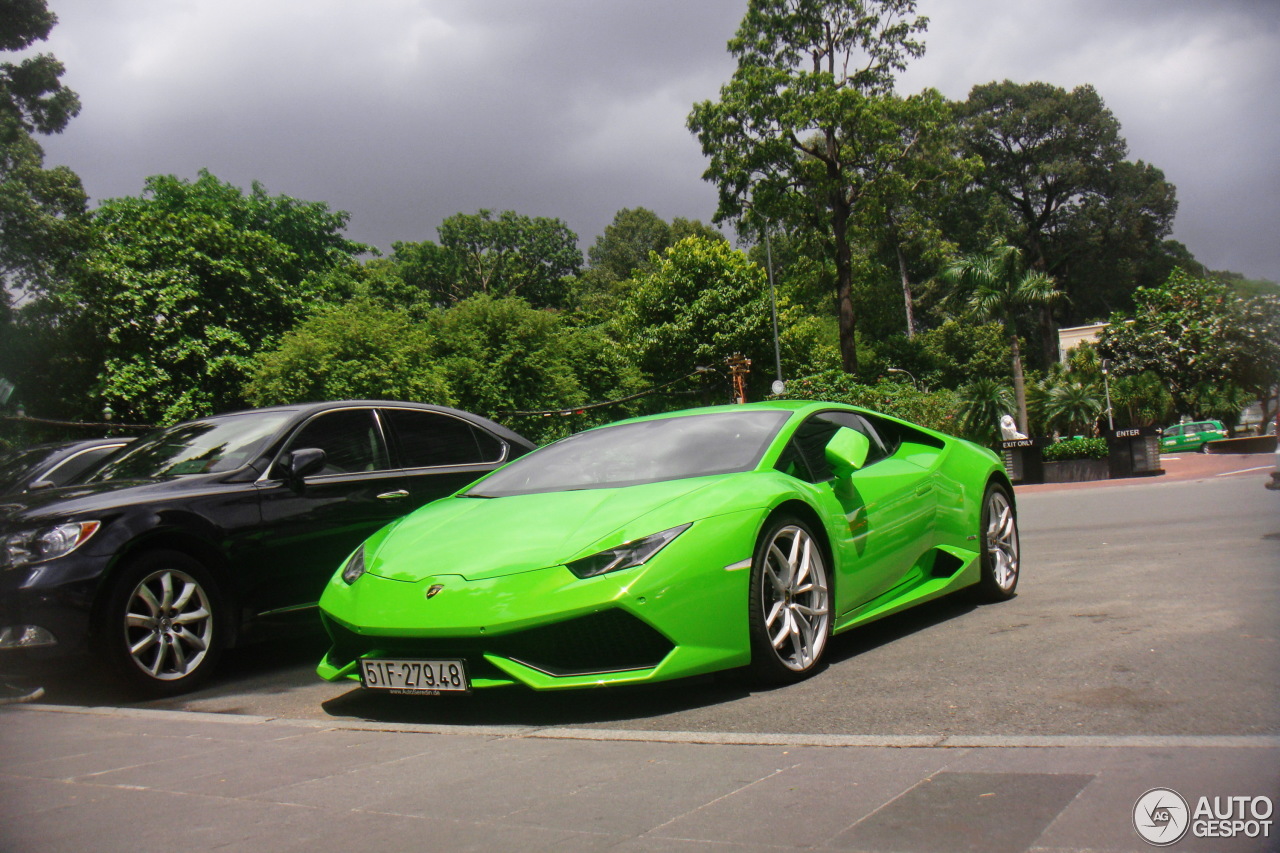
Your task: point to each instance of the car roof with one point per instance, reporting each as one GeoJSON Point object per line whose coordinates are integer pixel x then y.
{"type": "Point", "coordinates": [307, 409]}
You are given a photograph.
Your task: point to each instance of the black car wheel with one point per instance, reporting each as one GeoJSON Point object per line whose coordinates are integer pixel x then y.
{"type": "Point", "coordinates": [790, 608]}
{"type": "Point", "coordinates": [1001, 561]}
{"type": "Point", "coordinates": [161, 627]}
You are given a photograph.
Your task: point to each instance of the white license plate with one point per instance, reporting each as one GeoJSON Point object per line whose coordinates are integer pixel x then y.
{"type": "Point", "coordinates": [414, 676]}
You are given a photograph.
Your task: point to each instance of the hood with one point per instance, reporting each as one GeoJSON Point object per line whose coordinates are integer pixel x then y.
{"type": "Point", "coordinates": [481, 538]}
{"type": "Point", "coordinates": [70, 501]}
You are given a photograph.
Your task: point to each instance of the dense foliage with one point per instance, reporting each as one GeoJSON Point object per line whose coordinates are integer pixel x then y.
{"type": "Point", "coordinates": [915, 254]}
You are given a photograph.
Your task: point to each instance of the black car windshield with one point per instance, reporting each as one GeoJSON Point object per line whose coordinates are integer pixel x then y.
{"type": "Point", "coordinates": [641, 452]}
{"type": "Point", "coordinates": [16, 466]}
{"type": "Point", "coordinates": [206, 446]}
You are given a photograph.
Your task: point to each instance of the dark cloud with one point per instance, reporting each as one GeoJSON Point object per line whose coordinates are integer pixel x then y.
{"type": "Point", "coordinates": [404, 112]}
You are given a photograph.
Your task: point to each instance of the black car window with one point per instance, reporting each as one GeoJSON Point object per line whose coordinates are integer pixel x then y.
{"type": "Point", "coordinates": [16, 466]}
{"type": "Point", "coordinates": [428, 439]}
{"type": "Point", "coordinates": [350, 439]}
{"type": "Point", "coordinates": [73, 467]}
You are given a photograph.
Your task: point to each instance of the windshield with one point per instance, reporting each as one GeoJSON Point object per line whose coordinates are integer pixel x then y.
{"type": "Point", "coordinates": [207, 446]}
{"type": "Point", "coordinates": [16, 465]}
{"type": "Point", "coordinates": [641, 452]}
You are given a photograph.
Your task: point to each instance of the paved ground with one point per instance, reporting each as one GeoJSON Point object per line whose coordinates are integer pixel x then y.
{"type": "Point", "coordinates": [143, 780]}
{"type": "Point", "coordinates": [128, 779]}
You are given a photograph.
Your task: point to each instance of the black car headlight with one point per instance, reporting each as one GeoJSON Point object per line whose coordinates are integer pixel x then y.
{"type": "Point", "coordinates": [625, 556]}
{"type": "Point", "coordinates": [354, 567]}
{"type": "Point", "coordinates": [45, 543]}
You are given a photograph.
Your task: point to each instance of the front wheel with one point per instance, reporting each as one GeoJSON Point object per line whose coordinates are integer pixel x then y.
{"type": "Point", "coordinates": [790, 608]}
{"type": "Point", "coordinates": [1001, 553]}
{"type": "Point", "coordinates": [160, 628]}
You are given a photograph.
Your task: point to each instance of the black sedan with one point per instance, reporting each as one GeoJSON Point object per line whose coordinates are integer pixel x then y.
{"type": "Point", "coordinates": [201, 535]}
{"type": "Point", "coordinates": [56, 464]}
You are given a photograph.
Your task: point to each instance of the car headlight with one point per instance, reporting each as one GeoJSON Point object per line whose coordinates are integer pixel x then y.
{"type": "Point", "coordinates": [45, 543]}
{"type": "Point", "coordinates": [354, 567]}
{"type": "Point", "coordinates": [626, 555]}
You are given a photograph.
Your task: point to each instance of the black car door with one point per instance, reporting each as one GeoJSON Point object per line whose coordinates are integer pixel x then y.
{"type": "Point", "coordinates": [309, 528]}
{"type": "Point", "coordinates": [439, 452]}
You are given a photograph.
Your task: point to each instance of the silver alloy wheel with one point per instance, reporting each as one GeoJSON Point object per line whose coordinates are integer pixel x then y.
{"type": "Point", "coordinates": [1002, 540]}
{"type": "Point", "coordinates": [796, 598]}
{"type": "Point", "coordinates": [168, 625]}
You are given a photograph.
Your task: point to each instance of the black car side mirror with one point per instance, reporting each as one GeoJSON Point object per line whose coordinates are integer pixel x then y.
{"type": "Point", "coordinates": [36, 485]}
{"type": "Point", "coordinates": [297, 465]}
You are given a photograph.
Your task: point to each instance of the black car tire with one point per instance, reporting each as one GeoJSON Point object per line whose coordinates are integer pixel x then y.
{"type": "Point", "coordinates": [790, 603]}
{"type": "Point", "coordinates": [163, 626]}
{"type": "Point", "coordinates": [1000, 553]}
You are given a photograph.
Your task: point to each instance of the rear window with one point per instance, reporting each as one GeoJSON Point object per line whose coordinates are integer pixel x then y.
{"type": "Point", "coordinates": [431, 439]}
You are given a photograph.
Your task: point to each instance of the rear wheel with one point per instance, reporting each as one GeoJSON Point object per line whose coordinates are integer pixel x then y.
{"type": "Point", "coordinates": [1001, 560]}
{"type": "Point", "coordinates": [161, 627]}
{"type": "Point", "coordinates": [790, 608]}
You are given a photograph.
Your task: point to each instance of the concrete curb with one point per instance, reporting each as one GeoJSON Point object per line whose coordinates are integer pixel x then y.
{"type": "Point", "coordinates": [720, 738]}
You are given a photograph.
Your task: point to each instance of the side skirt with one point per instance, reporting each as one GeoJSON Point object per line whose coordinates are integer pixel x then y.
{"type": "Point", "coordinates": [939, 572]}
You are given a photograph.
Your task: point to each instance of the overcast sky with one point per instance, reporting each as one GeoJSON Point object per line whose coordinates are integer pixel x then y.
{"type": "Point", "coordinates": [404, 112]}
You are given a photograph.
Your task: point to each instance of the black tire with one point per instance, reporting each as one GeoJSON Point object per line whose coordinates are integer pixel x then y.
{"type": "Point", "coordinates": [790, 607]}
{"type": "Point", "coordinates": [1001, 550]}
{"type": "Point", "coordinates": [164, 624]}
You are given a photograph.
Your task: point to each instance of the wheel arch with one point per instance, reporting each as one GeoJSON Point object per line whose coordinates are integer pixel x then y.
{"type": "Point", "coordinates": [800, 509]}
{"type": "Point", "coordinates": [184, 542]}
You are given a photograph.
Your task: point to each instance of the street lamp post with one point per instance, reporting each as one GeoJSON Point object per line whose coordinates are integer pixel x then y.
{"type": "Point", "coordinates": [1106, 387]}
{"type": "Point", "coordinates": [778, 385]}
{"type": "Point", "coordinates": [906, 373]}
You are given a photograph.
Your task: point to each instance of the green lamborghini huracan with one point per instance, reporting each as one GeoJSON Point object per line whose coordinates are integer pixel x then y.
{"type": "Point", "coordinates": [673, 545]}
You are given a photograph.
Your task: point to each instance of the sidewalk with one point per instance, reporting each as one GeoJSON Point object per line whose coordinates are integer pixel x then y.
{"type": "Point", "coordinates": [107, 779]}
{"type": "Point", "coordinates": [1182, 467]}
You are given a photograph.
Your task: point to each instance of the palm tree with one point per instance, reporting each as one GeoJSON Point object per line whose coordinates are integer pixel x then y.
{"type": "Point", "coordinates": [1073, 407]}
{"type": "Point", "coordinates": [999, 287]}
{"type": "Point", "coordinates": [982, 403]}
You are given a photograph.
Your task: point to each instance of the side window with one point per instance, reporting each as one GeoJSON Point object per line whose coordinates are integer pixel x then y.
{"type": "Point", "coordinates": [350, 439]}
{"type": "Point", "coordinates": [428, 439]}
{"type": "Point", "coordinates": [882, 445]}
{"type": "Point", "coordinates": [805, 457]}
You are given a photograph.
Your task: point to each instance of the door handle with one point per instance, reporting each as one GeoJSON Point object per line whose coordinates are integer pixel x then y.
{"type": "Point", "coordinates": [924, 490]}
{"type": "Point", "coordinates": [392, 496]}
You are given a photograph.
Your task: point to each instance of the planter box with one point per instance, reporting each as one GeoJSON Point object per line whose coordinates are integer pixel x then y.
{"type": "Point", "coordinates": [1076, 470]}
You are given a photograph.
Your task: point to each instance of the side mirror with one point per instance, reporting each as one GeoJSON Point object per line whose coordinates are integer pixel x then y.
{"type": "Point", "coordinates": [37, 485]}
{"type": "Point", "coordinates": [297, 465]}
{"type": "Point", "coordinates": [847, 451]}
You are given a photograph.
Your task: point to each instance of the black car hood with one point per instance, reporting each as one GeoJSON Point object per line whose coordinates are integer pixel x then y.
{"type": "Point", "coordinates": [70, 501]}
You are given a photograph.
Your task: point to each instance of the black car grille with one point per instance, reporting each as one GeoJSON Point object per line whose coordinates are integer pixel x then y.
{"type": "Point", "coordinates": [607, 641]}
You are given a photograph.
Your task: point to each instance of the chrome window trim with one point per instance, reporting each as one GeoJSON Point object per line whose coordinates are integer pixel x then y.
{"type": "Point", "coordinates": [265, 479]}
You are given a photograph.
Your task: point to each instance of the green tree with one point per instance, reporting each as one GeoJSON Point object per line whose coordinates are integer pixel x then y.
{"type": "Point", "coordinates": [628, 247]}
{"type": "Point", "coordinates": [1187, 331]}
{"type": "Point", "coordinates": [997, 286]}
{"type": "Point", "coordinates": [983, 402]}
{"type": "Point", "coordinates": [808, 122]}
{"type": "Point", "coordinates": [702, 303]}
{"type": "Point", "coordinates": [42, 211]}
{"type": "Point", "coordinates": [188, 281]}
{"type": "Point", "coordinates": [503, 356]}
{"type": "Point", "coordinates": [1072, 407]}
{"type": "Point", "coordinates": [356, 350]}
{"type": "Point", "coordinates": [1056, 182]}
{"type": "Point", "coordinates": [512, 255]}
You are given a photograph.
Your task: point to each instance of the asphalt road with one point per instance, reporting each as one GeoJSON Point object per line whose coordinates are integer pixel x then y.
{"type": "Point", "coordinates": [1145, 608]}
